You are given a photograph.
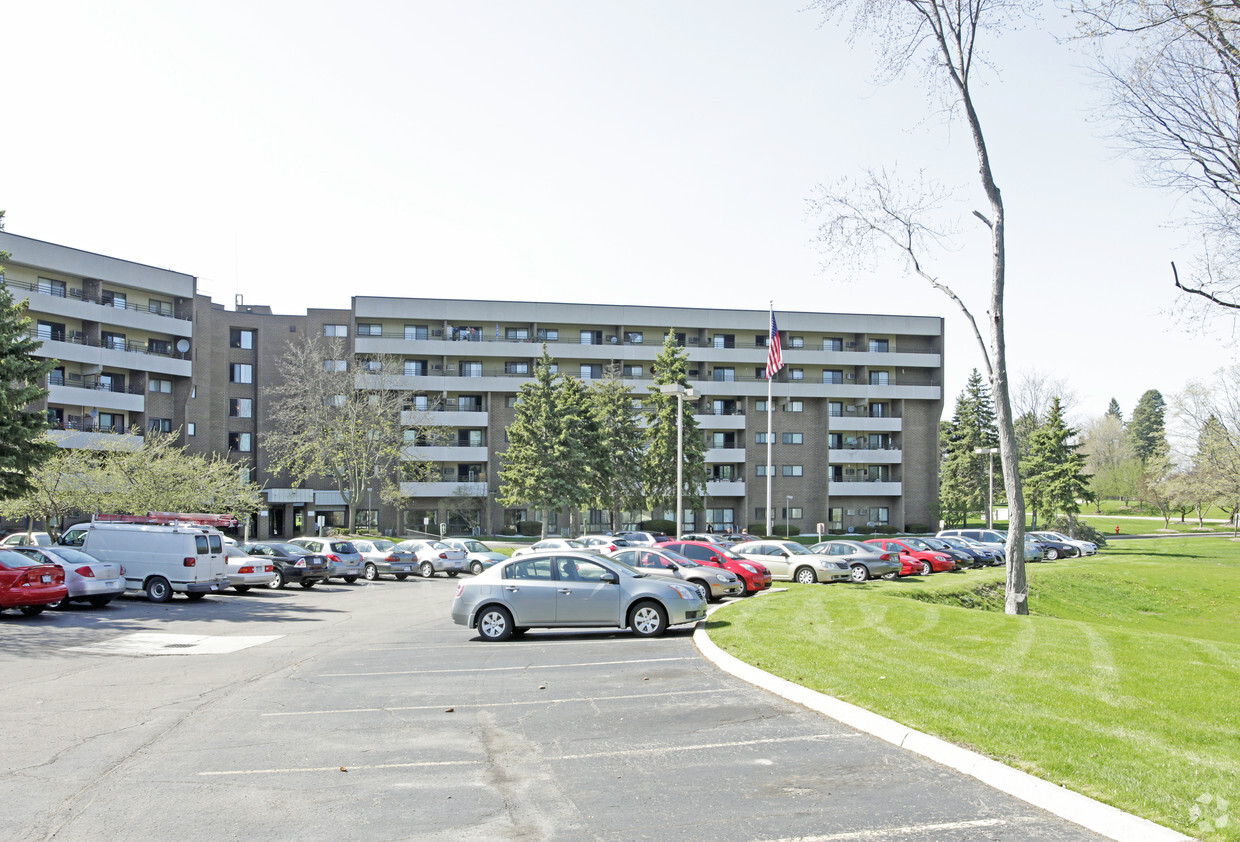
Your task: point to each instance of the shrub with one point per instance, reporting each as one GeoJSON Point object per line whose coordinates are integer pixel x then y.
{"type": "Point", "coordinates": [885, 530]}
{"type": "Point", "coordinates": [508, 530]}
{"type": "Point", "coordinates": [667, 527]}
{"type": "Point", "coordinates": [530, 528]}
{"type": "Point", "coordinates": [1077, 529]}
{"type": "Point", "coordinates": [757, 530]}
{"type": "Point", "coordinates": [915, 528]}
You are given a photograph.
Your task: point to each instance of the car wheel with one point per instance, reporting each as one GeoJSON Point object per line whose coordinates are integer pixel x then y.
{"type": "Point", "coordinates": [703, 589]}
{"type": "Point", "coordinates": [400, 577]}
{"type": "Point", "coordinates": [241, 588]}
{"type": "Point", "coordinates": [495, 623]}
{"type": "Point", "coordinates": [475, 567]}
{"type": "Point", "coordinates": [517, 631]}
{"type": "Point", "coordinates": [860, 573]}
{"type": "Point", "coordinates": [308, 583]}
{"type": "Point", "coordinates": [100, 601]}
{"type": "Point", "coordinates": [427, 569]}
{"type": "Point", "coordinates": [348, 580]}
{"type": "Point", "coordinates": [805, 576]}
{"type": "Point", "coordinates": [158, 590]}
{"type": "Point", "coordinates": [891, 577]}
{"type": "Point", "coordinates": [648, 619]}
{"type": "Point", "coordinates": [926, 568]}
{"type": "Point", "coordinates": [278, 582]}
{"type": "Point", "coordinates": [1051, 553]}
{"type": "Point", "coordinates": [452, 573]}
{"type": "Point", "coordinates": [59, 606]}
{"type": "Point", "coordinates": [32, 610]}
{"type": "Point", "coordinates": [194, 597]}
{"type": "Point", "coordinates": [370, 573]}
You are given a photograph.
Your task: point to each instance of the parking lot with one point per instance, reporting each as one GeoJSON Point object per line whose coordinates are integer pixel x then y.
{"type": "Point", "coordinates": [361, 712]}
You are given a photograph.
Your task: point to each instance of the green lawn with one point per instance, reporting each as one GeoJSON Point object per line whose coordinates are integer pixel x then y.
{"type": "Point", "coordinates": [1122, 684]}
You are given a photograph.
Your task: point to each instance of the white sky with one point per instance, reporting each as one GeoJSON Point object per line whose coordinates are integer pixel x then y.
{"type": "Point", "coordinates": [643, 151]}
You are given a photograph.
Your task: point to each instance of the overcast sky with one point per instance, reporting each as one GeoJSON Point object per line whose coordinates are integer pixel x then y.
{"type": "Point", "coordinates": [633, 151]}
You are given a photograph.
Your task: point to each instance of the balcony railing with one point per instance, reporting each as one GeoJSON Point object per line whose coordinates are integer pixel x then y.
{"type": "Point", "coordinates": [132, 346]}
{"type": "Point", "coordinates": [86, 424]}
{"type": "Point", "coordinates": [863, 446]}
{"type": "Point", "coordinates": [80, 381]}
{"type": "Point", "coordinates": [157, 308]}
{"type": "Point", "coordinates": [862, 412]}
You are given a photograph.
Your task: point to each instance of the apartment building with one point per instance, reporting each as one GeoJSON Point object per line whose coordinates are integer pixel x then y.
{"type": "Point", "coordinates": [855, 421]}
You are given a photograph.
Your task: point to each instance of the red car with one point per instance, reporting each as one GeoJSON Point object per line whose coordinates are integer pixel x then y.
{"type": "Point", "coordinates": [754, 574]}
{"type": "Point", "coordinates": [28, 584]}
{"type": "Point", "coordinates": [916, 553]}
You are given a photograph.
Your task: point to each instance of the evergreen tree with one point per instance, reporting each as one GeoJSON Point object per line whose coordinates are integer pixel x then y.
{"type": "Point", "coordinates": [964, 484]}
{"type": "Point", "coordinates": [671, 366]}
{"type": "Point", "coordinates": [1113, 410]}
{"type": "Point", "coordinates": [1054, 473]}
{"type": "Point", "coordinates": [577, 450]}
{"type": "Point", "coordinates": [619, 444]}
{"type": "Point", "coordinates": [529, 465]}
{"type": "Point", "coordinates": [23, 441]}
{"type": "Point", "coordinates": [1148, 425]}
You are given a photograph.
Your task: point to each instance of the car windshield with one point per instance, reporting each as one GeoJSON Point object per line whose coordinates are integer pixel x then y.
{"type": "Point", "coordinates": [936, 543]}
{"type": "Point", "coordinates": [626, 569]}
{"type": "Point", "coordinates": [476, 547]}
{"type": "Point", "coordinates": [794, 548]}
{"type": "Point", "coordinates": [917, 544]}
{"type": "Point", "coordinates": [382, 546]}
{"type": "Point", "coordinates": [74, 556]}
{"type": "Point", "coordinates": [680, 559]}
{"type": "Point", "coordinates": [296, 550]}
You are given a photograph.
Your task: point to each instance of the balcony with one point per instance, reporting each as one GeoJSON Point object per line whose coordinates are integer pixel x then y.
{"type": "Point", "coordinates": [866, 455]}
{"type": "Point", "coordinates": [725, 455]}
{"type": "Point", "coordinates": [88, 393]}
{"type": "Point", "coordinates": [443, 453]}
{"type": "Point", "coordinates": [443, 489]}
{"type": "Point", "coordinates": [720, 421]}
{"type": "Point", "coordinates": [864, 488]}
{"type": "Point", "coordinates": [725, 488]}
{"type": "Point", "coordinates": [91, 438]}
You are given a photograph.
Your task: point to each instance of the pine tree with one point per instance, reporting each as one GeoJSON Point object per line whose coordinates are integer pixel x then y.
{"type": "Point", "coordinates": [23, 433]}
{"type": "Point", "coordinates": [576, 452]}
{"type": "Point", "coordinates": [671, 366]}
{"type": "Point", "coordinates": [964, 483]}
{"type": "Point", "coordinates": [1054, 473]}
{"type": "Point", "coordinates": [618, 477]}
{"type": "Point", "coordinates": [527, 473]}
{"type": "Point", "coordinates": [1113, 410]}
{"type": "Point", "coordinates": [1148, 425]}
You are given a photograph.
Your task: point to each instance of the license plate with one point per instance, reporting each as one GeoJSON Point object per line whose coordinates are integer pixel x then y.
{"type": "Point", "coordinates": [112, 583]}
{"type": "Point", "coordinates": [46, 579]}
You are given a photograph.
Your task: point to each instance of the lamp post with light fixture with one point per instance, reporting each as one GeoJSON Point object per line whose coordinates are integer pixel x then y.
{"type": "Point", "coordinates": [681, 392]}
{"type": "Point", "coordinates": [990, 499]}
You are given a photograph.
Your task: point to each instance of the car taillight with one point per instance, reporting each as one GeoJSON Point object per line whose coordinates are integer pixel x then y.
{"type": "Point", "coordinates": [443, 555]}
{"type": "Point", "coordinates": [249, 568]}
{"type": "Point", "coordinates": [85, 571]}
{"type": "Point", "coordinates": [390, 559]}
{"type": "Point", "coordinates": [333, 558]}
{"type": "Point", "coordinates": [460, 588]}
{"type": "Point", "coordinates": [301, 562]}
{"type": "Point", "coordinates": [267, 568]}
{"type": "Point", "coordinates": [189, 562]}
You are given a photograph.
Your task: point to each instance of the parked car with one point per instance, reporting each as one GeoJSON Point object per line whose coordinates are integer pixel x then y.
{"type": "Point", "coordinates": [643, 539]}
{"type": "Point", "coordinates": [27, 539]}
{"type": "Point", "coordinates": [961, 557]}
{"type": "Point", "coordinates": [478, 556]}
{"type": "Point", "coordinates": [790, 561]}
{"type": "Point", "coordinates": [346, 560]}
{"type": "Point", "coordinates": [991, 539]}
{"type": "Point", "coordinates": [981, 553]}
{"type": "Point", "coordinates": [709, 538]}
{"type": "Point", "coordinates": [603, 543]}
{"type": "Point", "coordinates": [569, 588]}
{"type": "Point", "coordinates": [1054, 547]}
{"type": "Point", "coordinates": [713, 583]}
{"type": "Point", "coordinates": [292, 562]}
{"type": "Point", "coordinates": [930, 561]}
{"type": "Point", "coordinates": [434, 557]}
{"type": "Point", "coordinates": [380, 557]}
{"type": "Point", "coordinates": [553, 544]}
{"type": "Point", "coordinates": [864, 561]}
{"type": "Point", "coordinates": [753, 574]}
{"type": "Point", "coordinates": [1085, 547]}
{"type": "Point", "coordinates": [246, 571]}
{"type": "Point", "coordinates": [87, 578]}
{"type": "Point", "coordinates": [32, 584]}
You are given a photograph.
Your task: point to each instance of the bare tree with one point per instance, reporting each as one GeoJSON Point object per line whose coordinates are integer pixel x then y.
{"type": "Point", "coordinates": [879, 212]}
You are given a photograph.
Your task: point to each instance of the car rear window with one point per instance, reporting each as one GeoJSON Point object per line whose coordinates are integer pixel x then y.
{"type": "Point", "coordinates": [12, 559]}
{"type": "Point", "coordinates": [343, 547]}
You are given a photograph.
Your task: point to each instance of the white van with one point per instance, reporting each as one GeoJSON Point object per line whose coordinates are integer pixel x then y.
{"type": "Point", "coordinates": [158, 559]}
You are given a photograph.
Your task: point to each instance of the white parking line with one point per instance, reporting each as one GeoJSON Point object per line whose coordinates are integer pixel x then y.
{"type": "Point", "coordinates": [426, 763]}
{"type": "Point", "coordinates": [501, 669]}
{"type": "Point", "coordinates": [460, 707]}
{"type": "Point", "coordinates": [906, 831]}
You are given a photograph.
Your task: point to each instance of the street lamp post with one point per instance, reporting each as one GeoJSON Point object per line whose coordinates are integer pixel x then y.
{"type": "Point", "coordinates": [990, 499]}
{"type": "Point", "coordinates": [681, 392]}
{"type": "Point", "coordinates": [788, 516]}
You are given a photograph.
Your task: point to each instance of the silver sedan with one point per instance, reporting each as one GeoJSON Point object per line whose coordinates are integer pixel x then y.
{"type": "Point", "coordinates": [380, 556]}
{"type": "Point", "coordinates": [865, 561]}
{"type": "Point", "coordinates": [87, 578]}
{"type": "Point", "coordinates": [571, 589]}
{"type": "Point", "coordinates": [712, 582]}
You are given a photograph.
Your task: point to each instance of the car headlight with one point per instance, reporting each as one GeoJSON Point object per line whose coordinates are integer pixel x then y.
{"type": "Point", "coordinates": [750, 568]}
{"type": "Point", "coordinates": [685, 593]}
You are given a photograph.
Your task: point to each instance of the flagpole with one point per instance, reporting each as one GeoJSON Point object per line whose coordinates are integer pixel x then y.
{"type": "Point", "coordinates": [770, 467]}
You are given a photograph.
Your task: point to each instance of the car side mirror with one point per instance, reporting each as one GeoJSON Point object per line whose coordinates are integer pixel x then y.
{"type": "Point", "coordinates": [609, 578]}
{"type": "Point", "coordinates": [716, 559]}
{"type": "Point", "coordinates": [783, 554]}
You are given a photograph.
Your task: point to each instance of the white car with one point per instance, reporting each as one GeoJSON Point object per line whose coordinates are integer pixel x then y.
{"type": "Point", "coordinates": [435, 557]}
{"type": "Point", "coordinates": [792, 562]}
{"type": "Point", "coordinates": [246, 571]}
{"type": "Point", "coordinates": [553, 544]}
{"type": "Point", "coordinates": [87, 578]}
{"type": "Point", "coordinates": [604, 543]}
{"type": "Point", "coordinates": [477, 554]}
{"type": "Point", "coordinates": [1086, 547]}
{"type": "Point", "coordinates": [26, 539]}
{"type": "Point", "coordinates": [380, 556]}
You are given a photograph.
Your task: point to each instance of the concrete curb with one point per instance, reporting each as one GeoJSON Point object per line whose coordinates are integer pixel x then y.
{"type": "Point", "coordinates": [1094, 815]}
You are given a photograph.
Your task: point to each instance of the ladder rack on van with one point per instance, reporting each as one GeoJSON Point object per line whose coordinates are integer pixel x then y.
{"type": "Point", "coordinates": [172, 519]}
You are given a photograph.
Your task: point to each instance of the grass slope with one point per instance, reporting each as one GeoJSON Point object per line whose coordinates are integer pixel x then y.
{"type": "Point", "coordinates": [1122, 684]}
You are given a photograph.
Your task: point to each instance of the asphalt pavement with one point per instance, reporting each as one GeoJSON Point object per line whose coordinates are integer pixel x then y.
{"type": "Point", "coordinates": [361, 712]}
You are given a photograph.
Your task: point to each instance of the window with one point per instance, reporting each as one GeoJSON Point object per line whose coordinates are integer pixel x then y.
{"type": "Point", "coordinates": [115, 341]}
{"type": "Point", "coordinates": [833, 375]}
{"type": "Point", "coordinates": [517, 334]}
{"type": "Point", "coordinates": [240, 408]}
{"type": "Point", "coordinates": [421, 403]}
{"type": "Point", "coordinates": [835, 441]}
{"type": "Point", "coordinates": [470, 368]}
{"type": "Point", "coordinates": [159, 308]}
{"type": "Point", "coordinates": [191, 429]}
{"type": "Point", "coordinates": [760, 438]}
{"type": "Point", "coordinates": [49, 286]}
{"type": "Point", "coordinates": [759, 470]}
{"type": "Point", "coordinates": [879, 378]}
{"type": "Point", "coordinates": [759, 513]}
{"type": "Point", "coordinates": [112, 422]}
{"type": "Point", "coordinates": [794, 438]}
{"type": "Point", "coordinates": [157, 385]}
{"type": "Point", "coordinates": [113, 299]}
{"type": "Point", "coordinates": [760, 340]}
{"type": "Point", "coordinates": [632, 371]}
{"type": "Point", "coordinates": [591, 372]}
{"type": "Point", "coordinates": [240, 373]}
{"type": "Point", "coordinates": [793, 513]}
{"type": "Point", "coordinates": [796, 374]}
{"type": "Point", "coordinates": [369, 329]}
{"type": "Point", "coordinates": [336, 330]}
{"type": "Point", "coordinates": [833, 343]}
{"type": "Point", "coordinates": [522, 368]}
{"type": "Point", "coordinates": [724, 374]}
{"type": "Point", "coordinates": [794, 406]}
{"type": "Point", "coordinates": [724, 440]}
{"type": "Point", "coordinates": [415, 368]}
{"type": "Point", "coordinates": [372, 366]}
{"type": "Point", "coordinates": [335, 365]}
{"type": "Point", "coordinates": [880, 514]}
{"type": "Point", "coordinates": [879, 410]}
{"type": "Point", "coordinates": [510, 401]}
{"type": "Point", "coordinates": [796, 341]}
{"type": "Point", "coordinates": [878, 346]}
{"type": "Point", "coordinates": [160, 425]}
{"type": "Point", "coordinates": [159, 346]}
{"type": "Point", "coordinates": [240, 338]}
{"type": "Point", "coordinates": [633, 337]}
{"type": "Point", "coordinates": [793, 470]}
{"type": "Point", "coordinates": [548, 334]}
{"type": "Point", "coordinates": [109, 382]}
{"type": "Point", "coordinates": [725, 340]}
{"type": "Point", "coordinates": [759, 373]}
{"type": "Point", "coordinates": [534, 568]}
{"type": "Point", "coordinates": [415, 331]}
{"type": "Point", "coordinates": [759, 406]}
{"type": "Point", "coordinates": [240, 442]}
{"type": "Point", "coordinates": [469, 403]}
{"type": "Point", "coordinates": [50, 330]}
{"type": "Point", "coordinates": [591, 337]}
{"type": "Point", "coordinates": [835, 409]}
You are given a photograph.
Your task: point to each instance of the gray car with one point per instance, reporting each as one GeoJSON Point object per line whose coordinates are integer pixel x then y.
{"type": "Point", "coordinates": [346, 560]}
{"type": "Point", "coordinates": [712, 582]}
{"type": "Point", "coordinates": [478, 556]}
{"type": "Point", "coordinates": [87, 578]}
{"type": "Point", "coordinates": [381, 558]}
{"type": "Point", "coordinates": [570, 588]}
{"type": "Point", "coordinates": [864, 561]}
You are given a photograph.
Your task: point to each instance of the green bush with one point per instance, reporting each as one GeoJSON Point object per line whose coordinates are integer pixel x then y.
{"type": "Point", "coordinates": [1077, 529]}
{"type": "Point", "coordinates": [886, 530]}
{"type": "Point", "coordinates": [757, 530]}
{"type": "Point", "coordinates": [667, 527]}
{"type": "Point", "coordinates": [508, 530]}
{"type": "Point", "coordinates": [916, 528]}
{"type": "Point", "coordinates": [530, 528]}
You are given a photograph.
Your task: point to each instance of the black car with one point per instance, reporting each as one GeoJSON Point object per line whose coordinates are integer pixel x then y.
{"type": "Point", "coordinates": [1052, 549]}
{"type": "Point", "coordinates": [292, 563]}
{"type": "Point", "coordinates": [963, 556]}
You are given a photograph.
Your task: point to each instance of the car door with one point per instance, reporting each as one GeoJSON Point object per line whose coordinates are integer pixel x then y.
{"type": "Point", "coordinates": [774, 557]}
{"type": "Point", "coordinates": [582, 596]}
{"type": "Point", "coordinates": [529, 589]}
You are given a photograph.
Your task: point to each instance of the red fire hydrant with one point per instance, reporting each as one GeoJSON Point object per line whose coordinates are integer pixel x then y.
{"type": "Point", "coordinates": [1117, 529]}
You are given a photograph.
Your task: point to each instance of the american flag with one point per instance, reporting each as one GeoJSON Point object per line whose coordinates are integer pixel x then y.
{"type": "Point", "coordinates": [774, 353]}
